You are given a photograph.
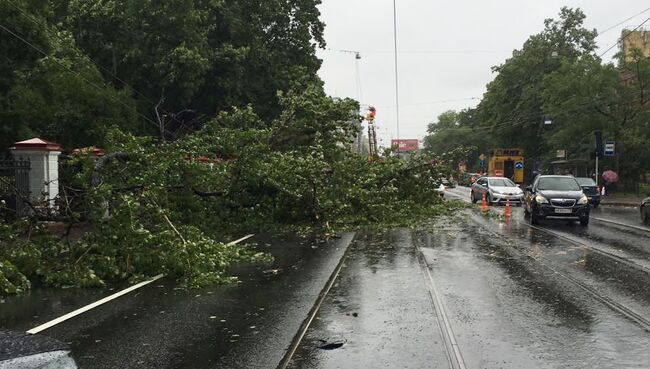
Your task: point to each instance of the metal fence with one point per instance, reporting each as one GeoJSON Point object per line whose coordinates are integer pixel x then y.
{"type": "Point", "coordinates": [14, 188]}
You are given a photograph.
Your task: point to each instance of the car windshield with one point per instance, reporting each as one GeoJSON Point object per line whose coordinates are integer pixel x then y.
{"type": "Point", "coordinates": [586, 181]}
{"type": "Point", "coordinates": [502, 182]}
{"type": "Point", "coordinates": [558, 184]}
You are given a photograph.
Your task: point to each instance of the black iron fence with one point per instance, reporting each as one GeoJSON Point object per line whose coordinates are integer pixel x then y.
{"type": "Point", "coordinates": [14, 188]}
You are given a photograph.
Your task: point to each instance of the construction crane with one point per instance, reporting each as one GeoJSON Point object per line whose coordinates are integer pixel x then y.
{"type": "Point", "coordinates": [357, 74]}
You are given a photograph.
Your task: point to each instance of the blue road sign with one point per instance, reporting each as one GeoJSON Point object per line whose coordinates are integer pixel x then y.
{"type": "Point", "coordinates": [519, 165]}
{"type": "Point", "coordinates": [610, 148]}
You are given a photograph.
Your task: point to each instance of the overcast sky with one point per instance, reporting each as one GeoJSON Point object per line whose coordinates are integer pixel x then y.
{"type": "Point", "coordinates": [445, 49]}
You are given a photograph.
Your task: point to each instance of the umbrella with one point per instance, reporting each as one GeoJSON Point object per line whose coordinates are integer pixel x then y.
{"type": "Point", "coordinates": [610, 176]}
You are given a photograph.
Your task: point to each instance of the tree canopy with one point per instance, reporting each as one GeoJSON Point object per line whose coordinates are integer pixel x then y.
{"type": "Point", "coordinates": [557, 75]}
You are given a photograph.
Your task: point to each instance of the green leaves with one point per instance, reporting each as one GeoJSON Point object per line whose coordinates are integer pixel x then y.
{"type": "Point", "coordinates": [557, 74]}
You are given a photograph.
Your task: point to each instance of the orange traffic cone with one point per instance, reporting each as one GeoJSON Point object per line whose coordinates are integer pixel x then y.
{"type": "Point", "coordinates": [484, 203]}
{"type": "Point", "coordinates": [506, 212]}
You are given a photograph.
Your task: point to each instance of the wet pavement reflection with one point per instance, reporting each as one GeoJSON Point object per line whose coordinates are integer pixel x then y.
{"type": "Point", "coordinates": [557, 295]}
{"type": "Point", "coordinates": [245, 325]}
{"type": "Point", "coordinates": [380, 309]}
{"type": "Point", "coordinates": [511, 309]}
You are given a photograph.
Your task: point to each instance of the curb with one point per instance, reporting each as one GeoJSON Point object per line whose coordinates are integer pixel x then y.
{"type": "Point", "coordinates": [295, 342]}
{"type": "Point", "coordinates": [633, 204]}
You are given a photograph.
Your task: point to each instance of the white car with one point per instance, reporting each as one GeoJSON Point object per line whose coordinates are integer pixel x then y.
{"type": "Point", "coordinates": [19, 350]}
{"type": "Point", "coordinates": [497, 190]}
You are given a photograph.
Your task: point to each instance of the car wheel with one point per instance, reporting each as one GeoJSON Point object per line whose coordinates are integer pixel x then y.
{"type": "Point", "coordinates": [584, 221]}
{"type": "Point", "coordinates": [488, 199]}
{"type": "Point", "coordinates": [645, 215]}
{"type": "Point", "coordinates": [471, 195]}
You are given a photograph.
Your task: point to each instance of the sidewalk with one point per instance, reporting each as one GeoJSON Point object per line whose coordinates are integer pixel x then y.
{"type": "Point", "coordinates": [621, 200]}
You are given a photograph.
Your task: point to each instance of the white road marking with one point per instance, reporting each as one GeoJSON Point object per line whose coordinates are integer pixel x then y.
{"type": "Point", "coordinates": [82, 310]}
{"type": "Point", "coordinates": [86, 308]}
{"type": "Point", "coordinates": [240, 240]}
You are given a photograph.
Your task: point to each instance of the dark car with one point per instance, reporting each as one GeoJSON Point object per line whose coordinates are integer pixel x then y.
{"type": "Point", "coordinates": [645, 211]}
{"type": "Point", "coordinates": [19, 350]}
{"type": "Point", "coordinates": [590, 188]}
{"type": "Point", "coordinates": [559, 197]}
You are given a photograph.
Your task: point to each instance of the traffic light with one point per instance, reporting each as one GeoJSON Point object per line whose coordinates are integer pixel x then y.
{"type": "Point", "coordinates": [599, 143]}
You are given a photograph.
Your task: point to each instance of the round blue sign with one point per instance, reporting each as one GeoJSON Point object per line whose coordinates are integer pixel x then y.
{"type": "Point", "coordinates": [519, 165]}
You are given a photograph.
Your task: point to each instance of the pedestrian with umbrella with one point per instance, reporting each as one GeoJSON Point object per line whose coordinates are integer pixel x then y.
{"type": "Point", "coordinates": [611, 178]}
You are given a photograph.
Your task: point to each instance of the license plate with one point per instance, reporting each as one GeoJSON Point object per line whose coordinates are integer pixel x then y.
{"type": "Point", "coordinates": [563, 211]}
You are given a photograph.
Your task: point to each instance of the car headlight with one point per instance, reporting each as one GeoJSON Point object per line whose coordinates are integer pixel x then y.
{"type": "Point", "coordinates": [583, 200]}
{"type": "Point", "coordinates": [541, 199]}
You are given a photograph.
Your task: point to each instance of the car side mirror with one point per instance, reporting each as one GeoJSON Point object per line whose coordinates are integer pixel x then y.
{"type": "Point", "coordinates": [518, 185]}
{"type": "Point", "coordinates": [529, 188]}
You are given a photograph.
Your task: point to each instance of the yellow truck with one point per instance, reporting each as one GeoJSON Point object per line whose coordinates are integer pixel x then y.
{"type": "Point", "coordinates": [508, 163]}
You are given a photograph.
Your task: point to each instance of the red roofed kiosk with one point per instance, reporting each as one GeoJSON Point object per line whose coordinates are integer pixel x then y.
{"type": "Point", "coordinates": [44, 168]}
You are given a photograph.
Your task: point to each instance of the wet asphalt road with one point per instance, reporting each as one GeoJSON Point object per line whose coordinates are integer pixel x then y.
{"type": "Point", "coordinates": [554, 296]}
{"type": "Point", "coordinates": [514, 298]}
{"type": "Point", "coordinates": [469, 290]}
{"type": "Point", "coordinates": [245, 325]}
{"type": "Point", "coordinates": [380, 310]}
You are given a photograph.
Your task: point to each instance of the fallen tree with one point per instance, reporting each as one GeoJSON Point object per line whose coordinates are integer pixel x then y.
{"type": "Point", "coordinates": [150, 207]}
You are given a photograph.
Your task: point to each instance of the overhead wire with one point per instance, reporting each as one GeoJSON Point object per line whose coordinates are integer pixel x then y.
{"type": "Point", "coordinates": [431, 102]}
{"type": "Point", "coordinates": [621, 39]}
{"type": "Point", "coordinates": [142, 95]}
{"type": "Point", "coordinates": [621, 22]}
{"type": "Point", "coordinates": [72, 71]}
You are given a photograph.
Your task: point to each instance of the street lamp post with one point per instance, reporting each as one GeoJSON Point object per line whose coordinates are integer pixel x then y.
{"type": "Point", "coordinates": [396, 69]}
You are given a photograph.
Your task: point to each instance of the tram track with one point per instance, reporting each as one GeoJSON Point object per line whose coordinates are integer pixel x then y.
{"type": "Point", "coordinates": [454, 354]}
{"type": "Point", "coordinates": [623, 260]}
{"type": "Point", "coordinates": [612, 304]}
{"type": "Point", "coordinates": [645, 230]}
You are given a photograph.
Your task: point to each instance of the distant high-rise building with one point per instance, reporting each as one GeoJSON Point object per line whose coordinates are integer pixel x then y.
{"type": "Point", "coordinates": [638, 39]}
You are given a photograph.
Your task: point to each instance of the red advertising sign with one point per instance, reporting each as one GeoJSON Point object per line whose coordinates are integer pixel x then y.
{"type": "Point", "coordinates": [408, 145]}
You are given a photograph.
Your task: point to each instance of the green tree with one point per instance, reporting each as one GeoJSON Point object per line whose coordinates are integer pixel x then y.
{"type": "Point", "coordinates": [587, 95]}
{"type": "Point", "coordinates": [458, 129]}
{"type": "Point", "coordinates": [513, 104]}
{"type": "Point", "coordinates": [202, 55]}
{"type": "Point", "coordinates": [51, 89]}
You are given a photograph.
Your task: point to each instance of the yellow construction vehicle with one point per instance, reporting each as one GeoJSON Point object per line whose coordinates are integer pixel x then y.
{"type": "Point", "coordinates": [508, 163]}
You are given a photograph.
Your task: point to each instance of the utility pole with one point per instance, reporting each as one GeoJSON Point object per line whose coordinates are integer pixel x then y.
{"type": "Point", "coordinates": [598, 151]}
{"type": "Point", "coordinates": [396, 69]}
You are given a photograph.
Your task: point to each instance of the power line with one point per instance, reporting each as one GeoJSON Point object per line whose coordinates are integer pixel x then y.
{"type": "Point", "coordinates": [621, 22]}
{"type": "Point", "coordinates": [72, 71]}
{"type": "Point", "coordinates": [401, 52]}
{"type": "Point", "coordinates": [26, 15]}
{"type": "Point", "coordinates": [431, 102]}
{"type": "Point", "coordinates": [624, 37]}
